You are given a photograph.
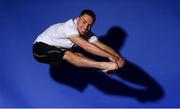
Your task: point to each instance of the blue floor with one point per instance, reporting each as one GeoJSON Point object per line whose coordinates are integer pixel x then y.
{"type": "Point", "coordinates": [146, 33]}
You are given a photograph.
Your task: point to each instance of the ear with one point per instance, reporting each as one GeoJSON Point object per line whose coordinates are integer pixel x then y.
{"type": "Point", "coordinates": [77, 18]}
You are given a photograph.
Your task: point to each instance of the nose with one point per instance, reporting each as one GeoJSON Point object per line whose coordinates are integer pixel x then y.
{"type": "Point", "coordinates": [85, 27]}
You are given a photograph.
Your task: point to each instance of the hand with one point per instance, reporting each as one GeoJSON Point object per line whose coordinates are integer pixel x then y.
{"type": "Point", "coordinates": [119, 61]}
{"type": "Point", "coordinates": [108, 66]}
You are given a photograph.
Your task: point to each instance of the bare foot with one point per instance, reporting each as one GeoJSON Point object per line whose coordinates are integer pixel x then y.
{"type": "Point", "coordinates": [108, 66]}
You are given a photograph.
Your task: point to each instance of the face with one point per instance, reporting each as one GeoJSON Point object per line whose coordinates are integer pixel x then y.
{"type": "Point", "coordinates": [84, 24]}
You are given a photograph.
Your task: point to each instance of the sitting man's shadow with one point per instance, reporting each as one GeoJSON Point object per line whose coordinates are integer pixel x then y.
{"type": "Point", "coordinates": [80, 78]}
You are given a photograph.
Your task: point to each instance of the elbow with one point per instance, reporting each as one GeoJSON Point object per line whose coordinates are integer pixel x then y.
{"type": "Point", "coordinates": [87, 47]}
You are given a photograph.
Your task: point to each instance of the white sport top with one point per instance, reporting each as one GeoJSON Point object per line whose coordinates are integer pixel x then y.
{"type": "Point", "coordinates": [58, 35]}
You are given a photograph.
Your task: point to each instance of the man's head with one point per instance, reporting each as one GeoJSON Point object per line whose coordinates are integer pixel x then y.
{"type": "Point", "coordinates": [85, 21]}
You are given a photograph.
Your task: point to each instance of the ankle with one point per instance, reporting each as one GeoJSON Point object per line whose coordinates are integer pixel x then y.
{"type": "Point", "coordinates": [103, 65]}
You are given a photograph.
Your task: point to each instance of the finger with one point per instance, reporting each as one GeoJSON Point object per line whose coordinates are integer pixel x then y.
{"type": "Point", "coordinates": [114, 61]}
{"type": "Point", "coordinates": [122, 63]}
{"type": "Point", "coordinates": [117, 64]}
{"type": "Point", "coordinates": [110, 59]}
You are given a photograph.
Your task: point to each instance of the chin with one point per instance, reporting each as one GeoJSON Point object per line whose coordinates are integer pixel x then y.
{"type": "Point", "coordinates": [82, 34]}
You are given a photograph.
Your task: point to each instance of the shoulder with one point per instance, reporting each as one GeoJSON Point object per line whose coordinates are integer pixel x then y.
{"type": "Point", "coordinates": [69, 25]}
{"type": "Point", "coordinates": [63, 25]}
{"type": "Point", "coordinates": [69, 28]}
{"type": "Point", "coordinates": [69, 22]}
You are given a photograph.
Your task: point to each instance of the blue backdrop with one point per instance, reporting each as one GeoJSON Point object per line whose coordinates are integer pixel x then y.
{"type": "Point", "coordinates": [145, 32]}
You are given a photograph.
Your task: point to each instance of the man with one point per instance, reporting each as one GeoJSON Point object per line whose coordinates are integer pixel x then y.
{"type": "Point", "coordinates": [55, 45]}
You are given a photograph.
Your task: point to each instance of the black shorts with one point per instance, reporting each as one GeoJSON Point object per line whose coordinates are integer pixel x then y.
{"type": "Point", "coordinates": [48, 54]}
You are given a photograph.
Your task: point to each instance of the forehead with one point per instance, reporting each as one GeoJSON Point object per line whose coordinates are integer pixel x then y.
{"type": "Point", "coordinates": [87, 17]}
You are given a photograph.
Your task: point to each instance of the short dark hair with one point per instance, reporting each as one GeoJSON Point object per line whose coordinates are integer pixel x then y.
{"type": "Point", "coordinates": [90, 13]}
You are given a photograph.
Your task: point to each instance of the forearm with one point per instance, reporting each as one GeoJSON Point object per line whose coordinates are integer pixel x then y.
{"type": "Point", "coordinates": [107, 49]}
{"type": "Point", "coordinates": [94, 49]}
{"type": "Point", "coordinates": [90, 47]}
{"type": "Point", "coordinates": [110, 50]}
{"type": "Point", "coordinates": [115, 57]}
{"type": "Point", "coordinates": [108, 53]}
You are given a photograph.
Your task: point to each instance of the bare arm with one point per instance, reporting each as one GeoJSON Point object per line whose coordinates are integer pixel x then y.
{"type": "Point", "coordinates": [108, 49]}
{"type": "Point", "coordinates": [89, 47]}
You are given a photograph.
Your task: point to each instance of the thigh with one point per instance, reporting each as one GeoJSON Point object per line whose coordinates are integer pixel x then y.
{"type": "Point", "coordinates": [48, 54]}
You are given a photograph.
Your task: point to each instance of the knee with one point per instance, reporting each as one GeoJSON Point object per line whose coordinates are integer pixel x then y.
{"type": "Point", "coordinates": [67, 55]}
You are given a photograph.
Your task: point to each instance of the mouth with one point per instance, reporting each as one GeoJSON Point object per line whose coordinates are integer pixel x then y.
{"type": "Point", "coordinates": [83, 32]}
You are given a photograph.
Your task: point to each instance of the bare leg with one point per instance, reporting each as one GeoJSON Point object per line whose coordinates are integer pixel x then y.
{"type": "Point", "coordinates": [80, 60]}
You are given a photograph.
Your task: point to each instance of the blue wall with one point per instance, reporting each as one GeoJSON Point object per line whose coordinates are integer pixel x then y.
{"type": "Point", "coordinates": [145, 32]}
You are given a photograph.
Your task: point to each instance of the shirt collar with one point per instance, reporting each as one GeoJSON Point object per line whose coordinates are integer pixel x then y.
{"type": "Point", "coordinates": [75, 22]}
